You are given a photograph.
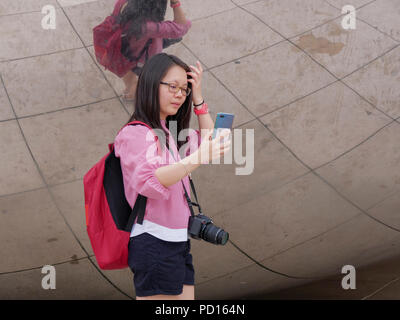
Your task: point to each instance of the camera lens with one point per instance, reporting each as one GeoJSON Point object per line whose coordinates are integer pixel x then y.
{"type": "Point", "coordinates": [222, 237]}
{"type": "Point", "coordinates": [215, 235]}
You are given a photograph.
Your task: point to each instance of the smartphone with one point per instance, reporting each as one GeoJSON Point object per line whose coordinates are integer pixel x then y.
{"type": "Point", "coordinates": [223, 121]}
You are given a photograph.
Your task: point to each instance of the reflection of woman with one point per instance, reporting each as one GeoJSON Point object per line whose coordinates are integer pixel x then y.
{"type": "Point", "coordinates": [159, 249]}
{"type": "Point", "coordinates": [146, 34]}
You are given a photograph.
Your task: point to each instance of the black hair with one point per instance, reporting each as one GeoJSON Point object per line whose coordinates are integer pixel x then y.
{"type": "Point", "coordinates": [147, 101]}
{"type": "Point", "coordinates": [137, 12]}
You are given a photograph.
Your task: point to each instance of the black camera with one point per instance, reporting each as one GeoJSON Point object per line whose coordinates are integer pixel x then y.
{"type": "Point", "coordinates": [202, 227]}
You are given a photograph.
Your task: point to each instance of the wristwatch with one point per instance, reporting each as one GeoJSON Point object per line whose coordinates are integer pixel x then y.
{"type": "Point", "coordinates": [202, 110]}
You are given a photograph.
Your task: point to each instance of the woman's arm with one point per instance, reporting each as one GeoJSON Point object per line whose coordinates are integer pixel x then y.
{"type": "Point", "coordinates": [205, 121]}
{"type": "Point", "coordinates": [179, 15]}
{"type": "Point", "coordinates": [171, 174]}
{"type": "Point", "coordinates": [207, 151]}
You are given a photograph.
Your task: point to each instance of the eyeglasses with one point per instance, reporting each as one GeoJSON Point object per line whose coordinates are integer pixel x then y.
{"type": "Point", "coordinates": [175, 89]}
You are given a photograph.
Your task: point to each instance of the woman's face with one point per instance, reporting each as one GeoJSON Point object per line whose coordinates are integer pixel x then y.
{"type": "Point", "coordinates": [171, 102]}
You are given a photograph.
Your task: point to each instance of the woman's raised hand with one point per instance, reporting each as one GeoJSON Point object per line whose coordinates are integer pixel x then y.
{"type": "Point", "coordinates": [196, 74]}
{"type": "Point", "coordinates": [212, 149]}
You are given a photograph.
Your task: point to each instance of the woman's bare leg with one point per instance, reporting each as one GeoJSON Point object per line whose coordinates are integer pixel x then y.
{"type": "Point", "coordinates": [187, 294]}
{"type": "Point", "coordinates": [130, 81]}
{"type": "Point", "coordinates": [127, 78]}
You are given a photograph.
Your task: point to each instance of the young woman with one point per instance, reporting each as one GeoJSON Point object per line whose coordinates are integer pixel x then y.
{"type": "Point", "coordinates": [159, 249]}
{"type": "Point", "coordinates": [146, 34]}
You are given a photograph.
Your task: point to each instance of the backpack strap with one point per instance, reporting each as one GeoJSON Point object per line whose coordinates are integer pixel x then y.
{"type": "Point", "coordinates": [138, 211]}
{"type": "Point", "coordinates": [144, 50]}
{"type": "Point", "coordinates": [139, 208]}
{"type": "Point", "coordinates": [136, 122]}
{"type": "Point", "coordinates": [128, 52]}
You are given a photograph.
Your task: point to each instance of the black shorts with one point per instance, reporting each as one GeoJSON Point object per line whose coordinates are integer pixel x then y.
{"type": "Point", "coordinates": [159, 267]}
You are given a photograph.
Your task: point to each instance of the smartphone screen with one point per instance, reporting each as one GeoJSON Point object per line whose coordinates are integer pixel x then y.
{"type": "Point", "coordinates": [223, 121]}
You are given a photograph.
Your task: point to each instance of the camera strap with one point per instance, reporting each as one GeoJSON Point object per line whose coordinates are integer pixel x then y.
{"type": "Point", "coordinates": [191, 203]}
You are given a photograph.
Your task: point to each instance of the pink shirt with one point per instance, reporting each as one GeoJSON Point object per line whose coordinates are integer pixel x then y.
{"type": "Point", "coordinates": [167, 212]}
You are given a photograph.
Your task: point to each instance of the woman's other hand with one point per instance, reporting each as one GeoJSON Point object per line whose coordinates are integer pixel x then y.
{"type": "Point", "coordinates": [196, 74]}
{"type": "Point", "coordinates": [212, 149]}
